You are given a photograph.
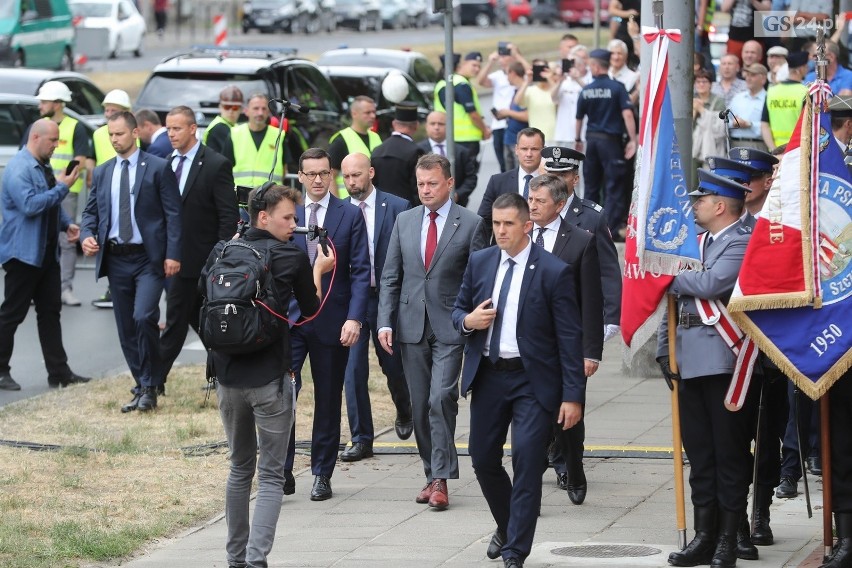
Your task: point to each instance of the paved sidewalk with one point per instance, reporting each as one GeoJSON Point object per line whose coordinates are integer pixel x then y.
{"type": "Point", "coordinates": [372, 520]}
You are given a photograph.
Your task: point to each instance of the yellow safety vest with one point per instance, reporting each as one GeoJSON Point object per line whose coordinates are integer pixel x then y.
{"type": "Point", "coordinates": [464, 130]}
{"type": "Point", "coordinates": [104, 151]}
{"type": "Point", "coordinates": [252, 164]}
{"type": "Point", "coordinates": [354, 143]}
{"type": "Point", "coordinates": [214, 122]}
{"type": "Point", "coordinates": [64, 152]}
{"type": "Point", "coordinates": [784, 103]}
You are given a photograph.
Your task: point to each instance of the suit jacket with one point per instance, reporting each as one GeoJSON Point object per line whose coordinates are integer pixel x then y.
{"type": "Point", "coordinates": [465, 174]}
{"type": "Point", "coordinates": [209, 212]}
{"type": "Point", "coordinates": [700, 349]}
{"type": "Point", "coordinates": [506, 182]}
{"type": "Point", "coordinates": [548, 325]}
{"type": "Point", "coordinates": [590, 216]}
{"type": "Point", "coordinates": [409, 292]}
{"type": "Point", "coordinates": [347, 299]}
{"type": "Point", "coordinates": [579, 249]}
{"type": "Point", "coordinates": [161, 146]}
{"type": "Point", "coordinates": [157, 210]}
{"type": "Point", "coordinates": [395, 161]}
{"type": "Point", "coordinates": [388, 206]}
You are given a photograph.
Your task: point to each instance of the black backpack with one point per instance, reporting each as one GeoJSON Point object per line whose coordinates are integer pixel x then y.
{"type": "Point", "coordinates": [232, 318]}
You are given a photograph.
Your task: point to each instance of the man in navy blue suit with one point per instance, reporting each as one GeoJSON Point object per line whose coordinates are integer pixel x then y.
{"type": "Point", "coordinates": [327, 339]}
{"type": "Point", "coordinates": [155, 139]}
{"type": "Point", "coordinates": [524, 365]}
{"type": "Point", "coordinates": [132, 223]}
{"type": "Point", "coordinates": [380, 210]}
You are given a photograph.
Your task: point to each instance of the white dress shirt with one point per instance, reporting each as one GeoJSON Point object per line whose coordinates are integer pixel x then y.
{"type": "Point", "coordinates": [567, 205]}
{"type": "Point", "coordinates": [370, 218]}
{"type": "Point", "coordinates": [550, 233]}
{"type": "Point", "coordinates": [508, 330]}
{"type": "Point", "coordinates": [115, 196]}
{"type": "Point", "coordinates": [521, 175]}
{"type": "Point", "coordinates": [323, 208]}
{"type": "Point", "coordinates": [436, 150]}
{"type": "Point", "coordinates": [440, 220]}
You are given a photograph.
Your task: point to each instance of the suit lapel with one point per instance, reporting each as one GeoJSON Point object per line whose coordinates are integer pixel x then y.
{"type": "Point", "coordinates": [529, 272]}
{"type": "Point", "coordinates": [450, 227]}
{"type": "Point", "coordinates": [193, 172]}
{"type": "Point", "coordinates": [563, 235]}
{"type": "Point", "coordinates": [381, 209]}
{"type": "Point", "coordinates": [106, 182]}
{"type": "Point", "coordinates": [334, 214]}
{"type": "Point", "coordinates": [141, 166]}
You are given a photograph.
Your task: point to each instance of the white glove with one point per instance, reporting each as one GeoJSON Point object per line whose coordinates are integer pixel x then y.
{"type": "Point", "coordinates": [610, 331]}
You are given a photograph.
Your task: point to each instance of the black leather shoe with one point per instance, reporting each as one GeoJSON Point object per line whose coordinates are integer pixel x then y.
{"type": "Point", "coordinates": [577, 491]}
{"type": "Point", "coordinates": [357, 451]}
{"type": "Point", "coordinates": [322, 488]}
{"type": "Point", "coordinates": [132, 405]}
{"type": "Point", "coordinates": [788, 488]}
{"type": "Point", "coordinates": [8, 383]}
{"type": "Point", "coordinates": [746, 550]}
{"type": "Point", "coordinates": [562, 481]}
{"type": "Point", "coordinates": [161, 390]}
{"type": "Point", "coordinates": [512, 563]}
{"type": "Point", "coordinates": [148, 399]}
{"type": "Point", "coordinates": [496, 544]}
{"type": "Point", "coordinates": [289, 482]}
{"type": "Point", "coordinates": [63, 382]}
{"type": "Point", "coordinates": [762, 535]}
{"type": "Point", "coordinates": [404, 427]}
{"type": "Point", "coordinates": [815, 465]}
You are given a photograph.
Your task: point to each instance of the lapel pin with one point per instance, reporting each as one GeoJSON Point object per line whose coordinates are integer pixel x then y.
{"type": "Point", "coordinates": [532, 266]}
{"type": "Point", "coordinates": [383, 204]}
{"type": "Point", "coordinates": [455, 224]}
{"type": "Point", "coordinates": [576, 210]}
{"type": "Point", "coordinates": [142, 164]}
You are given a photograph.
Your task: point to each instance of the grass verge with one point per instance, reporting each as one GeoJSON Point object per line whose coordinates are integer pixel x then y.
{"type": "Point", "coordinates": [118, 480]}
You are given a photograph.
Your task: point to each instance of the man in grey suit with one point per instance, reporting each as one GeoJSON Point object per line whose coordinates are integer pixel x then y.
{"type": "Point", "coordinates": [717, 441]}
{"type": "Point", "coordinates": [426, 259]}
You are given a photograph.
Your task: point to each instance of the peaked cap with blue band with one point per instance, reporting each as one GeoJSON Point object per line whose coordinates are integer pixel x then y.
{"type": "Point", "coordinates": [714, 184]}
{"type": "Point", "coordinates": [755, 158]}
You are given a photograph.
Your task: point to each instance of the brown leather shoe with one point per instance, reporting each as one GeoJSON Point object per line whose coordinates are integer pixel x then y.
{"type": "Point", "coordinates": [439, 499]}
{"type": "Point", "coordinates": [425, 493]}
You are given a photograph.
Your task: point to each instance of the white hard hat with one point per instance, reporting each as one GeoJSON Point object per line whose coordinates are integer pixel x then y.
{"type": "Point", "coordinates": [117, 97]}
{"type": "Point", "coordinates": [54, 91]}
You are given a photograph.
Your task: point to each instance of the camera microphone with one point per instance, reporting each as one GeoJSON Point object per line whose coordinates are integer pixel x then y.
{"type": "Point", "coordinates": [723, 114]}
{"type": "Point", "coordinates": [287, 106]}
{"type": "Point", "coordinates": [312, 232]}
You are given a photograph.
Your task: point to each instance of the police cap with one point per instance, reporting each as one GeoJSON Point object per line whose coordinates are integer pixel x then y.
{"type": "Point", "coordinates": [758, 159]}
{"type": "Point", "coordinates": [732, 169]}
{"type": "Point", "coordinates": [797, 59]}
{"type": "Point", "coordinates": [840, 107]}
{"type": "Point", "coordinates": [561, 159]}
{"type": "Point", "coordinates": [405, 113]}
{"type": "Point", "coordinates": [712, 184]}
{"type": "Point", "coordinates": [601, 54]}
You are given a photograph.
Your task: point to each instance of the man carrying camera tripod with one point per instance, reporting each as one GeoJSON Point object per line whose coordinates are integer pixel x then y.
{"type": "Point", "coordinates": [256, 397]}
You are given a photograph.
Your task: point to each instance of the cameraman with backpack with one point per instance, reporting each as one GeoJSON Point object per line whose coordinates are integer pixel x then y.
{"type": "Point", "coordinates": [256, 397]}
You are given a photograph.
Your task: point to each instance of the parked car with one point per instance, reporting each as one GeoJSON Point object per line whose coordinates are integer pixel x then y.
{"type": "Point", "coordinates": [398, 14]}
{"type": "Point", "coordinates": [17, 112]}
{"type": "Point", "coordinates": [353, 81]}
{"type": "Point", "coordinates": [520, 12]}
{"type": "Point", "coordinates": [570, 12]}
{"type": "Point", "coordinates": [195, 79]}
{"type": "Point", "coordinates": [86, 97]}
{"type": "Point", "coordinates": [293, 16]}
{"type": "Point", "coordinates": [361, 15]}
{"type": "Point", "coordinates": [481, 13]}
{"type": "Point", "coordinates": [125, 24]}
{"type": "Point", "coordinates": [413, 63]}
{"type": "Point", "coordinates": [36, 33]}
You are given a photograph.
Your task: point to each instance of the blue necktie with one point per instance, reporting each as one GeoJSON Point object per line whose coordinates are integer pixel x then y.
{"type": "Point", "coordinates": [527, 179]}
{"type": "Point", "coordinates": [494, 346]}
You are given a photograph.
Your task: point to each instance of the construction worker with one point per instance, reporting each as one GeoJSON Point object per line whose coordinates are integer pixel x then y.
{"type": "Point", "coordinates": [218, 132]}
{"type": "Point", "coordinates": [358, 138]}
{"type": "Point", "coordinates": [74, 144]}
{"type": "Point", "coordinates": [253, 146]}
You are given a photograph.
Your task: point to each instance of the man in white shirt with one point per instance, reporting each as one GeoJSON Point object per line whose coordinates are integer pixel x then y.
{"type": "Point", "coordinates": [747, 109]}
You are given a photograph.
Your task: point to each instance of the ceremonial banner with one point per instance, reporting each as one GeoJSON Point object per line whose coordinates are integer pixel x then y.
{"type": "Point", "coordinates": [661, 237]}
{"type": "Point", "coordinates": [792, 297]}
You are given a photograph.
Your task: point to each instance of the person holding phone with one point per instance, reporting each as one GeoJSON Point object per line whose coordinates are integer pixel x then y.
{"type": "Point", "coordinates": [536, 95]}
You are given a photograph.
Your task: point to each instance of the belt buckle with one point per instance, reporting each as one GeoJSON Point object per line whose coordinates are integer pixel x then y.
{"type": "Point", "coordinates": [684, 320]}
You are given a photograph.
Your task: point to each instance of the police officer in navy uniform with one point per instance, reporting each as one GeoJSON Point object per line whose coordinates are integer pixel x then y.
{"type": "Point", "coordinates": [764, 163]}
{"type": "Point", "coordinates": [717, 441]}
{"type": "Point", "coordinates": [610, 116]}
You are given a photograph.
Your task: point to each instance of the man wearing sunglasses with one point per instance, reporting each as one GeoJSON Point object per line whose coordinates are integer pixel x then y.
{"type": "Point", "coordinates": [218, 133]}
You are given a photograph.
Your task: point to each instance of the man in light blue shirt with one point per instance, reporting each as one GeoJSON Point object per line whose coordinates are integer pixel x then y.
{"type": "Point", "coordinates": [839, 77]}
{"type": "Point", "coordinates": [747, 109]}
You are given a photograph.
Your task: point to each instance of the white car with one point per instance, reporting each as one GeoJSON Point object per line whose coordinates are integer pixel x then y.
{"type": "Point", "coordinates": [125, 24]}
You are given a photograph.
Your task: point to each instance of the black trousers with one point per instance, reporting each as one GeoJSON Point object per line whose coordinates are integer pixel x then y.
{"type": "Point", "coordinates": [183, 303]}
{"type": "Point", "coordinates": [840, 405]}
{"type": "Point", "coordinates": [773, 424]}
{"type": "Point", "coordinates": [604, 170]}
{"type": "Point", "coordinates": [571, 447]}
{"type": "Point", "coordinates": [25, 283]}
{"type": "Point", "coordinates": [717, 442]}
{"type": "Point", "coordinates": [473, 151]}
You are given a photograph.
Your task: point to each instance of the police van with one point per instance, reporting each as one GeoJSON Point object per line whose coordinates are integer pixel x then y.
{"type": "Point", "coordinates": [36, 33]}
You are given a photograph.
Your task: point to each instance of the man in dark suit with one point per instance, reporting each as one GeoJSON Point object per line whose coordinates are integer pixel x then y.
{"type": "Point", "coordinates": [152, 133]}
{"type": "Point", "coordinates": [395, 159]}
{"type": "Point", "coordinates": [425, 262]}
{"type": "Point", "coordinates": [577, 248]}
{"type": "Point", "coordinates": [380, 210]}
{"type": "Point", "coordinates": [466, 168]}
{"type": "Point", "coordinates": [517, 180]}
{"type": "Point", "coordinates": [209, 215]}
{"type": "Point", "coordinates": [523, 364]}
{"type": "Point", "coordinates": [327, 338]}
{"type": "Point", "coordinates": [565, 163]}
{"type": "Point", "coordinates": [132, 223]}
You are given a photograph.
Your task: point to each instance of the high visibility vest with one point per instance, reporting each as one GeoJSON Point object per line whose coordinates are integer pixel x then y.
{"type": "Point", "coordinates": [784, 103]}
{"type": "Point", "coordinates": [64, 152]}
{"type": "Point", "coordinates": [464, 130]}
{"type": "Point", "coordinates": [104, 151]}
{"type": "Point", "coordinates": [354, 144]}
{"type": "Point", "coordinates": [214, 122]}
{"type": "Point", "coordinates": [252, 164]}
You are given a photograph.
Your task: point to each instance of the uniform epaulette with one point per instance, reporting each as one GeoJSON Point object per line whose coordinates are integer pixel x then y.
{"type": "Point", "coordinates": [744, 230]}
{"type": "Point", "coordinates": [592, 205]}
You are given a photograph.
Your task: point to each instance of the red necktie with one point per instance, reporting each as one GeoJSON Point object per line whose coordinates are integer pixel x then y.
{"type": "Point", "coordinates": [431, 239]}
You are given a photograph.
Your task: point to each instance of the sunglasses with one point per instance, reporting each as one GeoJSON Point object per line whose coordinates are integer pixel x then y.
{"type": "Point", "coordinates": [230, 107]}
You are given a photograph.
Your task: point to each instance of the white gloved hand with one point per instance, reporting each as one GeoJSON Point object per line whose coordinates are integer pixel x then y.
{"type": "Point", "coordinates": [610, 331]}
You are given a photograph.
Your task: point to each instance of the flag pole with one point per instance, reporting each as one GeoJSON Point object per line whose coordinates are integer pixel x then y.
{"type": "Point", "coordinates": [677, 444]}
